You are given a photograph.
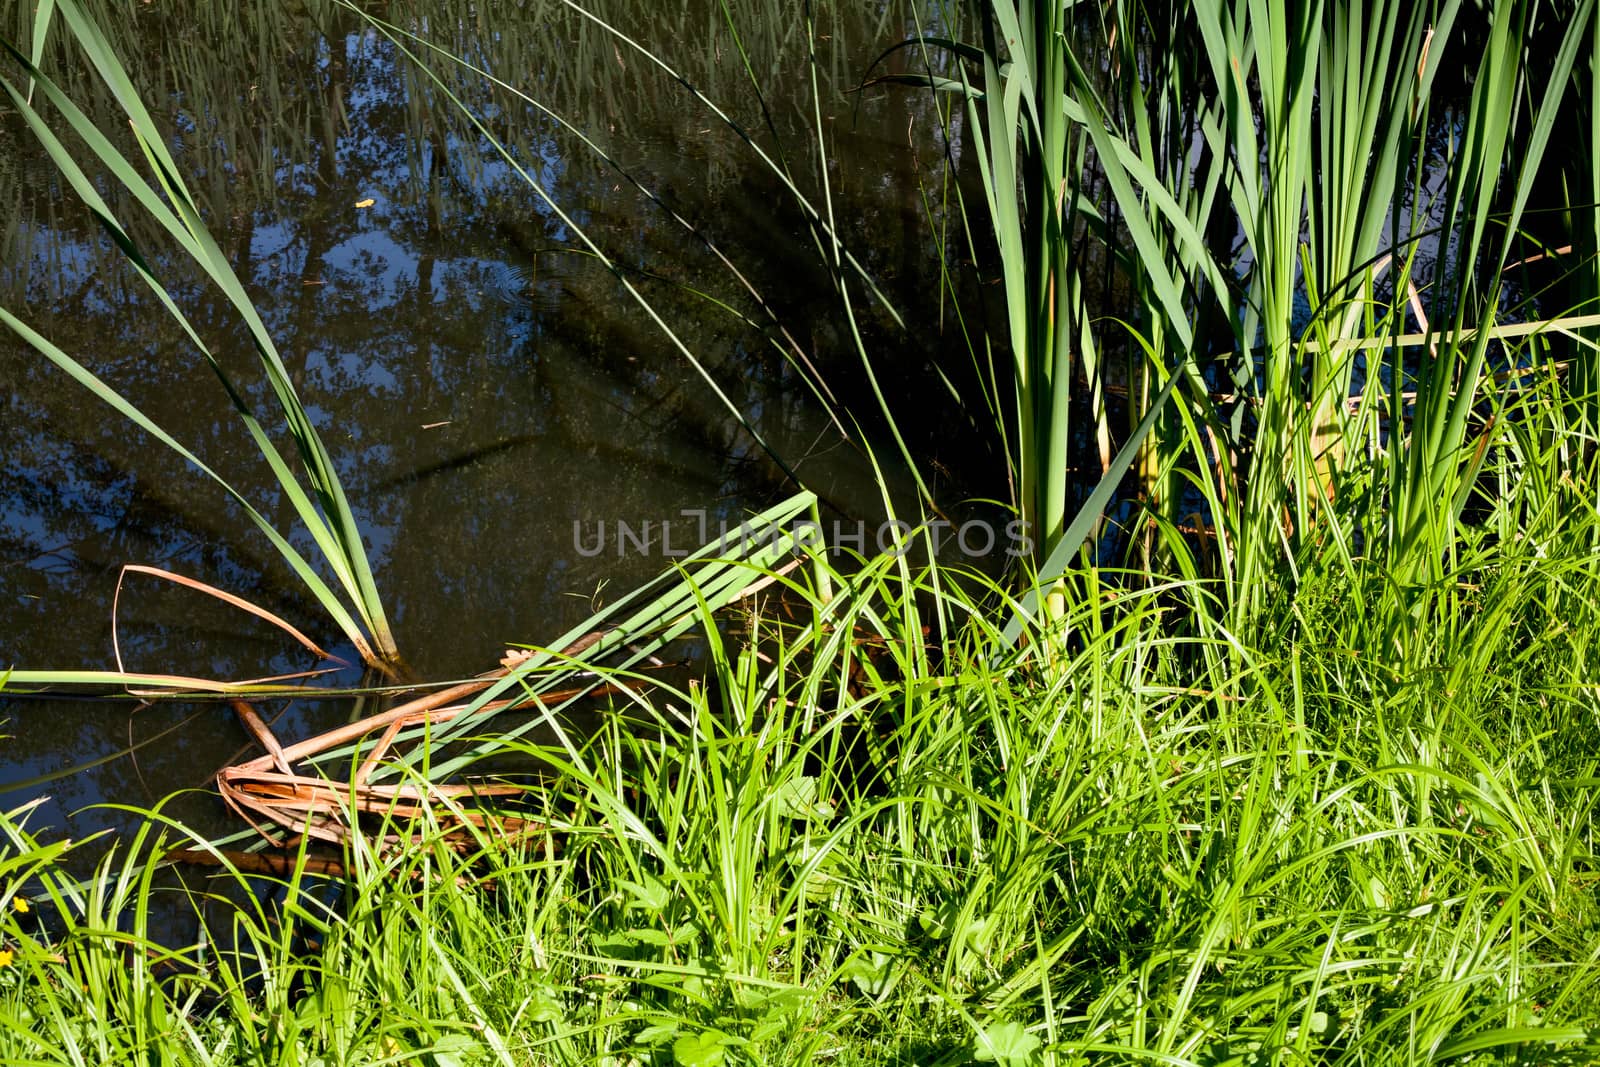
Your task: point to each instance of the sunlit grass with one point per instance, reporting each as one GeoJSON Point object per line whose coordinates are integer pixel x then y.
{"type": "Point", "coordinates": [860, 843]}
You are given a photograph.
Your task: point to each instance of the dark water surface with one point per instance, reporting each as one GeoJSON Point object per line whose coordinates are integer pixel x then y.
{"type": "Point", "coordinates": [483, 386]}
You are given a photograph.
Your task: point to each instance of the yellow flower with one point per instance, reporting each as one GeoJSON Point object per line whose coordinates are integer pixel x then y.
{"type": "Point", "coordinates": [21, 905]}
{"type": "Point", "coordinates": [6, 956]}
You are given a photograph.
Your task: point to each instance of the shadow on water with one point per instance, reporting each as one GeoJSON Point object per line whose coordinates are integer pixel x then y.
{"type": "Point", "coordinates": [483, 388]}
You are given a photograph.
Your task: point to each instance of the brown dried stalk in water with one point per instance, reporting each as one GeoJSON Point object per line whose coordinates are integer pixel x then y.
{"type": "Point", "coordinates": [269, 794]}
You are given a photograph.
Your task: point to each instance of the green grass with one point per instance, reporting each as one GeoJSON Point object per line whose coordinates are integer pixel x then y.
{"type": "Point", "coordinates": [854, 843]}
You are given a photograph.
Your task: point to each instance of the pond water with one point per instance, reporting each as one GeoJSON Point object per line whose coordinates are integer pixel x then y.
{"type": "Point", "coordinates": [483, 385]}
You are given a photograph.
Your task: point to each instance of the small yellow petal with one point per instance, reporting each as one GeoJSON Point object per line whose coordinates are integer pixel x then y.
{"type": "Point", "coordinates": [21, 904]}
{"type": "Point", "coordinates": [368, 202]}
{"type": "Point", "coordinates": [6, 956]}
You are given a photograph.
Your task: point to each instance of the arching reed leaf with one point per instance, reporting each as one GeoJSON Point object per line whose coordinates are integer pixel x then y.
{"type": "Point", "coordinates": [320, 502]}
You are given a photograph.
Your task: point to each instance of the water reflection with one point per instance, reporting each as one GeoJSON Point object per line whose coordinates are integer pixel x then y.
{"type": "Point", "coordinates": [481, 385]}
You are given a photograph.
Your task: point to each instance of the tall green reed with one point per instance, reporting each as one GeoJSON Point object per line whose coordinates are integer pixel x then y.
{"type": "Point", "coordinates": [1255, 182]}
{"type": "Point", "coordinates": [1034, 166]}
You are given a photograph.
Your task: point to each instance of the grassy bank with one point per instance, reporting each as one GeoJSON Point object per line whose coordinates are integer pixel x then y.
{"type": "Point", "coordinates": [860, 843]}
{"type": "Point", "coordinates": [1309, 779]}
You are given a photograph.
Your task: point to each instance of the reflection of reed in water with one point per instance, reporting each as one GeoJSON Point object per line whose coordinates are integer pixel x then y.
{"type": "Point", "coordinates": [454, 295]}
{"type": "Point", "coordinates": [260, 93]}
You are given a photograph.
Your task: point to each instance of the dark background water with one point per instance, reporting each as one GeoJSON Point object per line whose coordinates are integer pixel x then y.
{"type": "Point", "coordinates": [482, 383]}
